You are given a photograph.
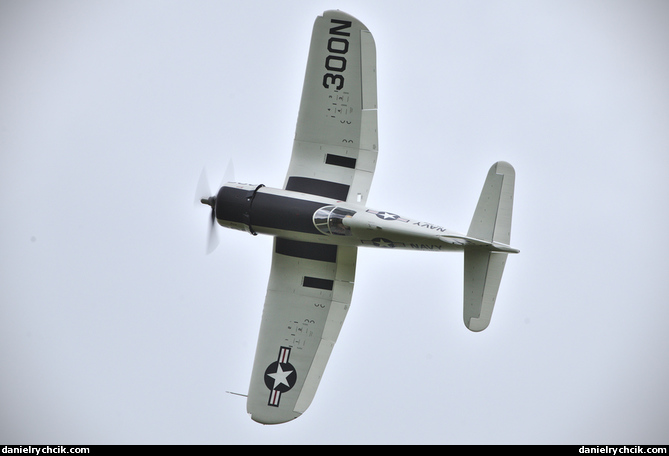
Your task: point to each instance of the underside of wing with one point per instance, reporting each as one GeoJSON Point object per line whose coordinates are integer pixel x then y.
{"type": "Point", "coordinates": [336, 139]}
{"type": "Point", "coordinates": [308, 296]}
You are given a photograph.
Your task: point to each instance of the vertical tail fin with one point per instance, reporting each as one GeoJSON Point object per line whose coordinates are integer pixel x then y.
{"type": "Point", "coordinates": [483, 267]}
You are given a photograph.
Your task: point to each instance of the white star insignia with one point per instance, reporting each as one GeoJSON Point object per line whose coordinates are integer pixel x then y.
{"type": "Point", "coordinates": [280, 377]}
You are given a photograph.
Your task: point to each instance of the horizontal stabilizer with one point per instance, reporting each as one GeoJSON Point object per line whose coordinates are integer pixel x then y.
{"type": "Point", "coordinates": [492, 218]}
{"type": "Point", "coordinates": [483, 274]}
{"type": "Point", "coordinates": [488, 246]}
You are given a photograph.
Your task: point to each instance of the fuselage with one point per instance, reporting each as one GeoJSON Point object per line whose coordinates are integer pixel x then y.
{"type": "Point", "coordinates": [311, 218]}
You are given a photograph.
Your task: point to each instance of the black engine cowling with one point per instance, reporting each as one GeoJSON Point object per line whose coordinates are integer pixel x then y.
{"type": "Point", "coordinates": [233, 206]}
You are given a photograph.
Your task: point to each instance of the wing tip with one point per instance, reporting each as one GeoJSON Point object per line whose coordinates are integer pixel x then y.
{"type": "Point", "coordinates": [344, 15]}
{"type": "Point", "coordinates": [271, 419]}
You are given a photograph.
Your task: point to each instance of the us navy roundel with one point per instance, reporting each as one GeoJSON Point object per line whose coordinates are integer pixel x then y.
{"type": "Point", "coordinates": [382, 242]}
{"type": "Point", "coordinates": [387, 215]}
{"type": "Point", "coordinates": [280, 376]}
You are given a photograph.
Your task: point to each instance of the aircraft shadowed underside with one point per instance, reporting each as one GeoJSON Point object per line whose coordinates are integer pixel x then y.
{"type": "Point", "coordinates": [319, 219]}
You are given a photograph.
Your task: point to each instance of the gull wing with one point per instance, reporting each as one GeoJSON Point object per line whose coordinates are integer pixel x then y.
{"type": "Point", "coordinates": [336, 139]}
{"type": "Point", "coordinates": [308, 296]}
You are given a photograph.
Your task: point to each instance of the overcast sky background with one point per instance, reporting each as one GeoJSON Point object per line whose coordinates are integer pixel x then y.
{"type": "Point", "coordinates": [115, 327]}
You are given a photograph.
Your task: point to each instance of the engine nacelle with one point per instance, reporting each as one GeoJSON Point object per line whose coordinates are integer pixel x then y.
{"type": "Point", "coordinates": [257, 209]}
{"type": "Point", "coordinates": [233, 205]}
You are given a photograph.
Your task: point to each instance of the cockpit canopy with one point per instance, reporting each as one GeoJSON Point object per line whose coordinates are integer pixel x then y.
{"type": "Point", "coordinates": [329, 220]}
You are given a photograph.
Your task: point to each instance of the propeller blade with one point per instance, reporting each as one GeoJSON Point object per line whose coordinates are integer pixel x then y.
{"type": "Point", "coordinates": [203, 190]}
{"type": "Point", "coordinates": [202, 196]}
{"type": "Point", "coordinates": [229, 175]}
{"type": "Point", "coordinates": [212, 240]}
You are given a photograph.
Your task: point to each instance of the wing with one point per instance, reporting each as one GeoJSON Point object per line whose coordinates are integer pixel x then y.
{"type": "Point", "coordinates": [308, 296]}
{"type": "Point", "coordinates": [336, 139]}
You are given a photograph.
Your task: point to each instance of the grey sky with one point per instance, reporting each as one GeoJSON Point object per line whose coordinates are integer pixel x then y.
{"type": "Point", "coordinates": [116, 328]}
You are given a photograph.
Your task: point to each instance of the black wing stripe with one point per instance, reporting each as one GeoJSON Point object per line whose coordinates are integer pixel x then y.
{"type": "Point", "coordinates": [315, 282]}
{"type": "Point", "coordinates": [318, 187]}
{"type": "Point", "coordinates": [340, 160]}
{"type": "Point", "coordinates": [307, 250]}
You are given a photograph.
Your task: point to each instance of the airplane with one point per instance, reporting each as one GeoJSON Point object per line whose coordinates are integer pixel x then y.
{"type": "Point", "coordinates": [319, 220]}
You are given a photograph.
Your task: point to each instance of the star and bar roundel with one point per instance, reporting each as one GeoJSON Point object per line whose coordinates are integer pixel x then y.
{"type": "Point", "coordinates": [383, 242]}
{"type": "Point", "coordinates": [280, 377]}
{"type": "Point", "coordinates": [387, 216]}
